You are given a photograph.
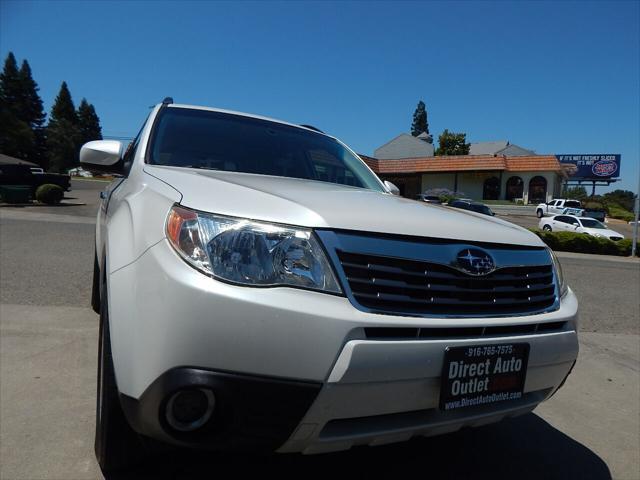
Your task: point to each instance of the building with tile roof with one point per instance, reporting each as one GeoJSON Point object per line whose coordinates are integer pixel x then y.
{"type": "Point", "coordinates": [495, 170]}
{"type": "Point", "coordinates": [532, 178]}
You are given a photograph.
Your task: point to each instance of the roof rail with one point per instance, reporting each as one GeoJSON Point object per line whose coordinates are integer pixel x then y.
{"type": "Point", "coordinates": [167, 100]}
{"type": "Point", "coordinates": [311, 127]}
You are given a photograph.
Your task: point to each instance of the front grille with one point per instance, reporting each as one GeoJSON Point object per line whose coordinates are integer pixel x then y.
{"type": "Point", "coordinates": [402, 286]}
{"type": "Point", "coordinates": [615, 239]}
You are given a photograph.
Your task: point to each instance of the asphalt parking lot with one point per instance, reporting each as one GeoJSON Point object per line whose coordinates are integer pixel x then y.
{"type": "Point", "coordinates": [48, 345]}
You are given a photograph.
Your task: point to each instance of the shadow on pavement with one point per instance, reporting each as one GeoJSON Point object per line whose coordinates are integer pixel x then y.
{"type": "Point", "coordinates": [523, 448]}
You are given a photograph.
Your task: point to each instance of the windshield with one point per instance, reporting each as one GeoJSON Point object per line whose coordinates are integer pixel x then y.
{"type": "Point", "coordinates": [588, 223]}
{"type": "Point", "coordinates": [233, 143]}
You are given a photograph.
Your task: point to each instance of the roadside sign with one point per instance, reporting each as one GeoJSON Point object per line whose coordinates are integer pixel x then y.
{"type": "Point", "coordinates": [591, 166]}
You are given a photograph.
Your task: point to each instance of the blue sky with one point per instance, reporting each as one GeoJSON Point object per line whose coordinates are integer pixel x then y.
{"type": "Point", "coordinates": [551, 76]}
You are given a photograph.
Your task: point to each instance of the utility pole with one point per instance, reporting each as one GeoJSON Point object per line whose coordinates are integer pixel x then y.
{"type": "Point", "coordinates": [634, 243]}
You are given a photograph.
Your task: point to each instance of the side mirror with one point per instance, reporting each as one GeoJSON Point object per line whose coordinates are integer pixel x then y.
{"type": "Point", "coordinates": [391, 188]}
{"type": "Point", "coordinates": [103, 156]}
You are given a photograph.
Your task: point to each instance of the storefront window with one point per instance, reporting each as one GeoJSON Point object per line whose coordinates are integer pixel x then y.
{"type": "Point", "coordinates": [491, 189]}
{"type": "Point", "coordinates": [515, 188]}
{"type": "Point", "coordinates": [537, 189]}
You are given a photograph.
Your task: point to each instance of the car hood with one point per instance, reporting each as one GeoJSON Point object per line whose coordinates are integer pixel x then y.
{"type": "Point", "coordinates": [315, 204]}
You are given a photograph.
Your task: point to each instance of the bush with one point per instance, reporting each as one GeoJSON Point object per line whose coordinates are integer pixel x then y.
{"type": "Point", "coordinates": [593, 205]}
{"type": "Point", "coordinates": [625, 245]}
{"type": "Point", "coordinates": [616, 211]}
{"type": "Point", "coordinates": [582, 243]}
{"type": "Point", "coordinates": [621, 198]}
{"type": "Point", "coordinates": [49, 194]}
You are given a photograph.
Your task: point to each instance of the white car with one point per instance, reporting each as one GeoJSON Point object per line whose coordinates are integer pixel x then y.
{"type": "Point", "coordinates": [80, 172]}
{"type": "Point", "coordinates": [571, 223]}
{"type": "Point", "coordinates": [259, 288]}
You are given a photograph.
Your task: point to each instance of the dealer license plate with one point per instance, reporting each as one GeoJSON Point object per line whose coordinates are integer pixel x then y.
{"type": "Point", "coordinates": [483, 374]}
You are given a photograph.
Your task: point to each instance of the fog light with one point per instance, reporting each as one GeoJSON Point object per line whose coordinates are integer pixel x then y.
{"type": "Point", "coordinates": [189, 410]}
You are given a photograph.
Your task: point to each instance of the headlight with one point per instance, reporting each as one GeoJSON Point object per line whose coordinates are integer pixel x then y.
{"type": "Point", "coordinates": [251, 253]}
{"type": "Point", "coordinates": [598, 235]}
{"type": "Point", "coordinates": [562, 286]}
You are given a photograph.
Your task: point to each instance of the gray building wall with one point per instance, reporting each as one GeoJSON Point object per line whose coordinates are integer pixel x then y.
{"type": "Point", "coordinates": [553, 183]}
{"type": "Point", "coordinates": [438, 180]}
{"type": "Point", "coordinates": [471, 184]}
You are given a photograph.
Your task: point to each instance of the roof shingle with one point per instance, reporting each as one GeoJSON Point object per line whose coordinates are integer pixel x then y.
{"type": "Point", "coordinates": [463, 163]}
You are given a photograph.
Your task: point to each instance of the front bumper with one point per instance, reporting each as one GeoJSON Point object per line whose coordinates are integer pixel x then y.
{"type": "Point", "coordinates": [252, 413]}
{"type": "Point", "coordinates": [384, 392]}
{"type": "Point", "coordinates": [165, 315]}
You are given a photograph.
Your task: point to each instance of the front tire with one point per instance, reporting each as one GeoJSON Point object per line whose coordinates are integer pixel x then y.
{"type": "Point", "coordinates": [547, 228]}
{"type": "Point", "coordinates": [117, 446]}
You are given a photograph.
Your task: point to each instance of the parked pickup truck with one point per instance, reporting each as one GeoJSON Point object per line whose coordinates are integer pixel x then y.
{"type": "Point", "coordinates": [559, 206]}
{"type": "Point", "coordinates": [23, 175]}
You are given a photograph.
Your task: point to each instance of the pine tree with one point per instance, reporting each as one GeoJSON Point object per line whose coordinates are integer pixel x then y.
{"type": "Point", "coordinates": [16, 137]}
{"type": "Point", "coordinates": [33, 114]}
{"type": "Point", "coordinates": [30, 101]}
{"type": "Point", "coordinates": [63, 107]}
{"type": "Point", "coordinates": [420, 123]}
{"type": "Point", "coordinates": [63, 134]}
{"type": "Point", "coordinates": [10, 83]}
{"type": "Point", "coordinates": [88, 122]}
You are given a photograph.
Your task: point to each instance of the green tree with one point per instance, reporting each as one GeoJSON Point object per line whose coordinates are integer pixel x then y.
{"type": "Point", "coordinates": [450, 143]}
{"type": "Point", "coordinates": [420, 123]}
{"type": "Point", "coordinates": [16, 137]}
{"type": "Point", "coordinates": [10, 83]}
{"type": "Point", "coordinates": [88, 123]}
{"type": "Point", "coordinates": [63, 107]}
{"type": "Point", "coordinates": [576, 193]}
{"type": "Point", "coordinates": [623, 198]}
{"type": "Point", "coordinates": [63, 133]}
{"type": "Point", "coordinates": [33, 114]}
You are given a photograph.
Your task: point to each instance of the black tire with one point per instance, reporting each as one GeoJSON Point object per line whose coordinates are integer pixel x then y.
{"type": "Point", "coordinates": [117, 446]}
{"type": "Point", "coordinates": [547, 228]}
{"type": "Point", "coordinates": [95, 287]}
{"type": "Point", "coordinates": [539, 213]}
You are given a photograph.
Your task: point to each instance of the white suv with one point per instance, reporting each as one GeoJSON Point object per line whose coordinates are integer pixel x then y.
{"type": "Point", "coordinates": [259, 288]}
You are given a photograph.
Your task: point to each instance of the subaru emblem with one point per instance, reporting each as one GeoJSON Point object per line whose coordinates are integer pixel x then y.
{"type": "Point", "coordinates": [475, 262]}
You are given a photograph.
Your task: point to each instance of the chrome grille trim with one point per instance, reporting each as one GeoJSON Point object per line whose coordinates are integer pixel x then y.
{"type": "Point", "coordinates": [418, 277]}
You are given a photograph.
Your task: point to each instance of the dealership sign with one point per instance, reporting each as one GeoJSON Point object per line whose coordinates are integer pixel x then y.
{"type": "Point", "coordinates": [592, 167]}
